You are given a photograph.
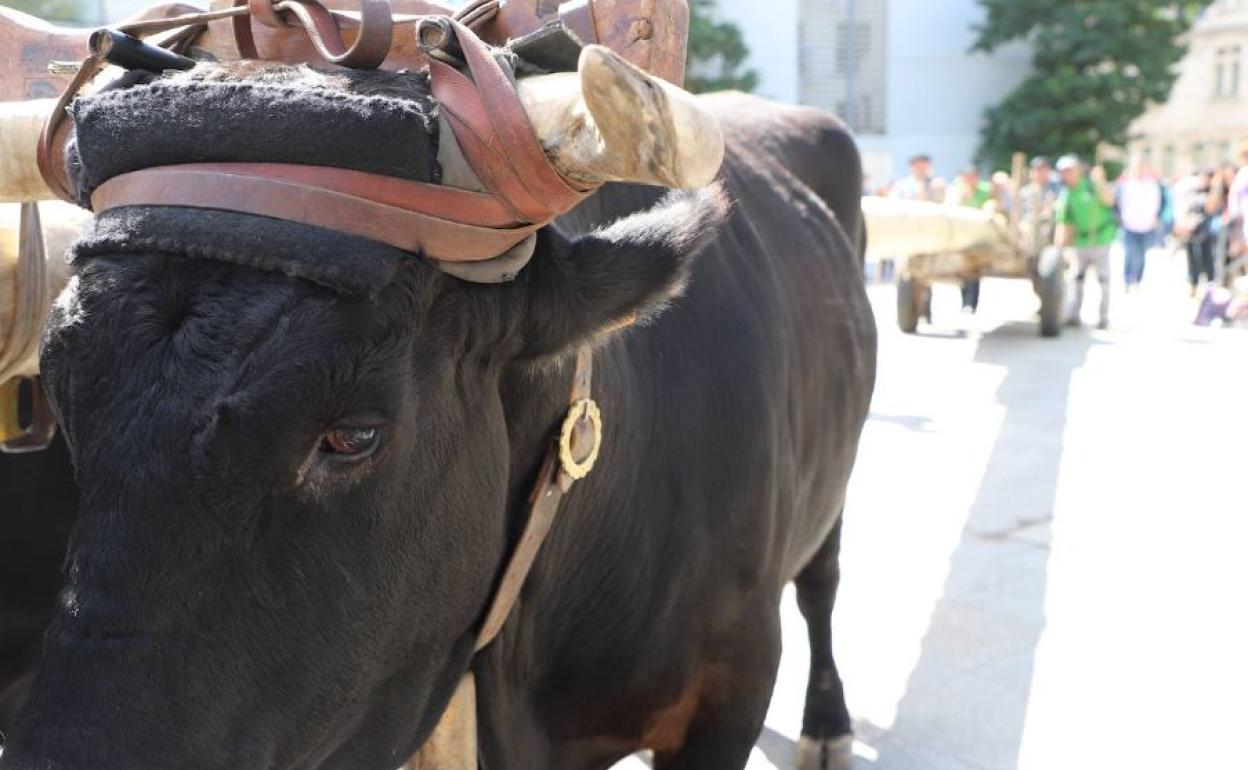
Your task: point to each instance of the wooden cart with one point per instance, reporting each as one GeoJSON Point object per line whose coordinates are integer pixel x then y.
{"type": "Point", "coordinates": [933, 243]}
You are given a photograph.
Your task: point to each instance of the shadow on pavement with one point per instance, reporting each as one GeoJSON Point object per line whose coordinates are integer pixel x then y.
{"type": "Point", "coordinates": [779, 749]}
{"type": "Point", "coordinates": [912, 422]}
{"type": "Point", "coordinates": [966, 700]}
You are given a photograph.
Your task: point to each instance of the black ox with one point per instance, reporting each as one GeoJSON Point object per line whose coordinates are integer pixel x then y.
{"type": "Point", "coordinates": [292, 505]}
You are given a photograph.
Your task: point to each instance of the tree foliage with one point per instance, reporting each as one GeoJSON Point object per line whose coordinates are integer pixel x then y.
{"type": "Point", "coordinates": [716, 52]}
{"type": "Point", "coordinates": [53, 10]}
{"type": "Point", "coordinates": [1096, 66]}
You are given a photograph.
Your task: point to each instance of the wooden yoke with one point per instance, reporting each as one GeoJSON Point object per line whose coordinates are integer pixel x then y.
{"type": "Point", "coordinates": [651, 34]}
{"type": "Point", "coordinates": [29, 44]}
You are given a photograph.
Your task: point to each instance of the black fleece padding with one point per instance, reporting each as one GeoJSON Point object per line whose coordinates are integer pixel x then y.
{"type": "Point", "coordinates": [344, 263]}
{"type": "Point", "coordinates": [148, 121]}
{"type": "Point", "coordinates": [181, 120]}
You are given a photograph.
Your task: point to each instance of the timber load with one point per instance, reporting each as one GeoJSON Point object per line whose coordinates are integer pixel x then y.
{"type": "Point", "coordinates": [900, 229]}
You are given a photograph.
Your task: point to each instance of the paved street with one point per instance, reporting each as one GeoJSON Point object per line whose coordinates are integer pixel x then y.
{"type": "Point", "coordinates": [1044, 554]}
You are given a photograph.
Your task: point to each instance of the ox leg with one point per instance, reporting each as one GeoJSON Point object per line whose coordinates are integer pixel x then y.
{"type": "Point", "coordinates": [827, 736]}
{"type": "Point", "coordinates": [730, 716]}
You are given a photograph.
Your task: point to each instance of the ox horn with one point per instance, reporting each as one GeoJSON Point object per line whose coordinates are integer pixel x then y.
{"type": "Point", "coordinates": [20, 124]}
{"type": "Point", "coordinates": [32, 273]}
{"type": "Point", "coordinates": [610, 121]}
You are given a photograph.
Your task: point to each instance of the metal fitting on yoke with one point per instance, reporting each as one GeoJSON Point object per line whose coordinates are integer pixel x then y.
{"type": "Point", "coordinates": [129, 52]}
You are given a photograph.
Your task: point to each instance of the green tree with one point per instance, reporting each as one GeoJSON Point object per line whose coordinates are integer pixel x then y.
{"type": "Point", "coordinates": [716, 52]}
{"type": "Point", "coordinates": [53, 10]}
{"type": "Point", "coordinates": [1096, 66]}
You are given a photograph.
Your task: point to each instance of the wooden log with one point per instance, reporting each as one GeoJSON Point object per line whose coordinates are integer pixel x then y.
{"type": "Point", "coordinates": [19, 172]}
{"type": "Point", "coordinates": [652, 34]}
{"type": "Point", "coordinates": [899, 229]}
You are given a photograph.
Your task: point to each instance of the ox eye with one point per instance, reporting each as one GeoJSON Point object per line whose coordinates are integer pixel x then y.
{"type": "Point", "coordinates": [350, 443]}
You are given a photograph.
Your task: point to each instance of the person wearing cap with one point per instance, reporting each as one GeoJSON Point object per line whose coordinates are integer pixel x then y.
{"type": "Point", "coordinates": [1041, 184]}
{"type": "Point", "coordinates": [1086, 223]}
{"type": "Point", "coordinates": [972, 191]}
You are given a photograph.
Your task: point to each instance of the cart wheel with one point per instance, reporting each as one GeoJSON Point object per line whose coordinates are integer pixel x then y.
{"type": "Point", "coordinates": [1052, 299]}
{"type": "Point", "coordinates": [912, 299]}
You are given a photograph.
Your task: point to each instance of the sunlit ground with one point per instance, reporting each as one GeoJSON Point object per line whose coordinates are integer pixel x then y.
{"type": "Point", "coordinates": [1044, 555]}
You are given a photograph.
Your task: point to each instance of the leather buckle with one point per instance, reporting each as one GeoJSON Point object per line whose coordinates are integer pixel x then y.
{"type": "Point", "coordinates": [584, 421]}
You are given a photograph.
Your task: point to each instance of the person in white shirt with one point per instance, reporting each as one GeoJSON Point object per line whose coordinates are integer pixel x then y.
{"type": "Point", "coordinates": [1237, 198]}
{"type": "Point", "coordinates": [1140, 199]}
{"type": "Point", "coordinates": [918, 185]}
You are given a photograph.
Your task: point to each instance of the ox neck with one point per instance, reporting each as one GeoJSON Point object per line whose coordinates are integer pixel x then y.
{"type": "Point", "coordinates": [566, 458]}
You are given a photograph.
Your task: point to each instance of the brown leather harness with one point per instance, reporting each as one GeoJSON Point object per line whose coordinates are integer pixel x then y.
{"type": "Point", "coordinates": [446, 224]}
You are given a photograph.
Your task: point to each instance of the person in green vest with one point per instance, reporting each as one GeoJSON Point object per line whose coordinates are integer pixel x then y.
{"type": "Point", "coordinates": [1087, 223]}
{"type": "Point", "coordinates": [974, 192]}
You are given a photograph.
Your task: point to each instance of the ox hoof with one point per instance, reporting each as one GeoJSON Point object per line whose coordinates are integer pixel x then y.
{"type": "Point", "coordinates": [825, 753]}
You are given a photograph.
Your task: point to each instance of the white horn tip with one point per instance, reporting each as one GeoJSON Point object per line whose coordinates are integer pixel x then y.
{"type": "Point", "coordinates": [667, 136]}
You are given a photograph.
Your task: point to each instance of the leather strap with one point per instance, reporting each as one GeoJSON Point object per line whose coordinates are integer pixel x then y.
{"type": "Point", "coordinates": [581, 436]}
{"type": "Point", "coordinates": [405, 228]}
{"type": "Point", "coordinates": [52, 137]}
{"type": "Point", "coordinates": [498, 140]}
{"type": "Point", "coordinates": [578, 15]}
{"type": "Point", "coordinates": [181, 31]}
{"type": "Point", "coordinates": [372, 42]}
{"type": "Point", "coordinates": [474, 13]}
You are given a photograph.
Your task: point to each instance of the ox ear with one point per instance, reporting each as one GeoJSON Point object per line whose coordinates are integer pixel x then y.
{"type": "Point", "coordinates": [585, 287]}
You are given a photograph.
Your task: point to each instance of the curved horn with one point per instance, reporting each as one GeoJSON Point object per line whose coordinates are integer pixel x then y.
{"type": "Point", "coordinates": [31, 239]}
{"type": "Point", "coordinates": [610, 121]}
{"type": "Point", "coordinates": [20, 124]}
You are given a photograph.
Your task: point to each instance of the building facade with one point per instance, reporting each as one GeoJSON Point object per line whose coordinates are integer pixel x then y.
{"type": "Point", "coordinates": [1211, 85]}
{"type": "Point", "coordinates": [886, 67]}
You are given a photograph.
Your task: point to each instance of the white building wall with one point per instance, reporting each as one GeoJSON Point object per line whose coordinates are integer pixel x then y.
{"type": "Point", "coordinates": [770, 32]}
{"type": "Point", "coordinates": [843, 52]}
{"type": "Point", "coordinates": [937, 90]}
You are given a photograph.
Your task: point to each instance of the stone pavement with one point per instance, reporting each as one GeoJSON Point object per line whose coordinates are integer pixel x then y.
{"type": "Point", "coordinates": [1045, 546]}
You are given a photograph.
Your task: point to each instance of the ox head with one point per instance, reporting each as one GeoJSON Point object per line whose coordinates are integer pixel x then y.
{"type": "Point", "coordinates": [297, 495]}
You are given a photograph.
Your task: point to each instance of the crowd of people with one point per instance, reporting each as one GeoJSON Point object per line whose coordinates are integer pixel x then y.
{"type": "Point", "coordinates": [1076, 207]}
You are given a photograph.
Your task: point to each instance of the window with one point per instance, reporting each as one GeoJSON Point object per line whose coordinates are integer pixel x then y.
{"type": "Point", "coordinates": [1167, 160]}
{"type": "Point", "coordinates": [1198, 153]}
{"type": "Point", "coordinates": [1227, 72]}
{"type": "Point", "coordinates": [851, 46]}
